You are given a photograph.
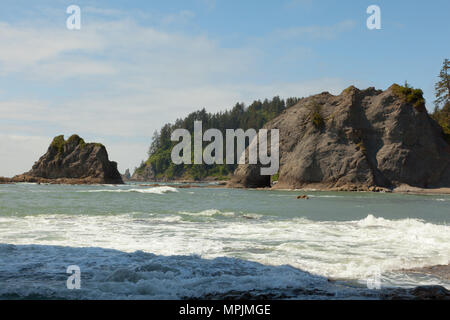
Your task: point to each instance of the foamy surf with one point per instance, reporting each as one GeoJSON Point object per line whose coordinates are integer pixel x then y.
{"type": "Point", "coordinates": [155, 190]}
{"type": "Point", "coordinates": [348, 237]}
{"type": "Point", "coordinates": [112, 274]}
{"type": "Point", "coordinates": [208, 213]}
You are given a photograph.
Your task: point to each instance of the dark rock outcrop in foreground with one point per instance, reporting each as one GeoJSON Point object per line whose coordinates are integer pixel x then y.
{"type": "Point", "coordinates": [356, 141]}
{"type": "Point", "coordinates": [73, 161]}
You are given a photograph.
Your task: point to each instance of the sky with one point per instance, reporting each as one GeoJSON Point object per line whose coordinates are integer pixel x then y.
{"type": "Point", "coordinates": [136, 65]}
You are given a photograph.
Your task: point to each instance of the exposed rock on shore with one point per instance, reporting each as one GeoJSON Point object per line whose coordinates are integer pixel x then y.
{"type": "Point", "coordinates": [441, 271]}
{"type": "Point", "coordinates": [73, 161]}
{"type": "Point", "coordinates": [4, 180]}
{"type": "Point", "coordinates": [356, 141]}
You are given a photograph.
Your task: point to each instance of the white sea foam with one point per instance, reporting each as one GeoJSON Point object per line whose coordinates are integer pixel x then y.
{"type": "Point", "coordinates": [324, 196]}
{"type": "Point", "coordinates": [155, 190]}
{"type": "Point", "coordinates": [208, 213]}
{"type": "Point", "coordinates": [111, 274]}
{"type": "Point", "coordinates": [333, 249]}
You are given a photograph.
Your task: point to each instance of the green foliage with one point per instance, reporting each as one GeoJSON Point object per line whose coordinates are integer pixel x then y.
{"type": "Point", "coordinates": [254, 116]}
{"type": "Point", "coordinates": [442, 116]}
{"type": "Point", "coordinates": [75, 138]}
{"type": "Point", "coordinates": [275, 177]}
{"type": "Point", "coordinates": [316, 116]}
{"type": "Point", "coordinates": [318, 120]}
{"type": "Point", "coordinates": [411, 96]}
{"type": "Point", "coordinates": [442, 87]}
{"type": "Point", "coordinates": [349, 89]}
{"type": "Point", "coordinates": [290, 102]}
{"type": "Point", "coordinates": [58, 143]}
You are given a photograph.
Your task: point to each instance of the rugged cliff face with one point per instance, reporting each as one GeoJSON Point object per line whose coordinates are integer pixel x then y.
{"type": "Point", "coordinates": [143, 174]}
{"type": "Point", "coordinates": [355, 141]}
{"type": "Point", "coordinates": [126, 176]}
{"type": "Point", "coordinates": [73, 161]}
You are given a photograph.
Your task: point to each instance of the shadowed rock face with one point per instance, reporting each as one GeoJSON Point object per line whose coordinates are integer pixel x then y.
{"type": "Point", "coordinates": [146, 174]}
{"type": "Point", "coordinates": [356, 140]}
{"type": "Point", "coordinates": [126, 176]}
{"type": "Point", "coordinates": [73, 161]}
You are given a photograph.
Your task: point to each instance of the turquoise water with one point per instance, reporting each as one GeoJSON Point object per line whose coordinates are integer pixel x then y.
{"type": "Point", "coordinates": [202, 241]}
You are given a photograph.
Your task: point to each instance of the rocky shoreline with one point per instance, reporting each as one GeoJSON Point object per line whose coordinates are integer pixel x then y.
{"type": "Point", "coordinates": [440, 271]}
{"type": "Point", "coordinates": [417, 293]}
{"type": "Point", "coordinates": [63, 181]}
{"type": "Point", "coordinates": [187, 184]}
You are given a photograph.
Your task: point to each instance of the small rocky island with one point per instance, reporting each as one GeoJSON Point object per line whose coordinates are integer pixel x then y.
{"type": "Point", "coordinates": [73, 161]}
{"type": "Point", "coordinates": [360, 140]}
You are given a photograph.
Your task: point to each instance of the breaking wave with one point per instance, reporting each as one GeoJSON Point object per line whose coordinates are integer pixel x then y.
{"type": "Point", "coordinates": [155, 190]}
{"type": "Point", "coordinates": [112, 274]}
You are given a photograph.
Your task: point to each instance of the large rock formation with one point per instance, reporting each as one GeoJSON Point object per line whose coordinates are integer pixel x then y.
{"type": "Point", "coordinates": [356, 141]}
{"type": "Point", "coordinates": [126, 176]}
{"type": "Point", "coordinates": [143, 173]}
{"type": "Point", "coordinates": [75, 162]}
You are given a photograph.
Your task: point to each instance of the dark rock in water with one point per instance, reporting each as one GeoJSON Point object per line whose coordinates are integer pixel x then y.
{"type": "Point", "coordinates": [249, 176]}
{"type": "Point", "coordinates": [126, 176]}
{"type": "Point", "coordinates": [303, 197]}
{"type": "Point", "coordinates": [74, 162]}
{"type": "Point", "coordinates": [354, 141]}
{"type": "Point", "coordinates": [431, 293]}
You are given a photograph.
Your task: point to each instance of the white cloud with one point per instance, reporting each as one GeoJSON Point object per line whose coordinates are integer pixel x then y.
{"type": "Point", "coordinates": [122, 81]}
{"type": "Point", "coordinates": [316, 32]}
{"type": "Point", "coordinates": [18, 153]}
{"type": "Point", "coordinates": [25, 47]}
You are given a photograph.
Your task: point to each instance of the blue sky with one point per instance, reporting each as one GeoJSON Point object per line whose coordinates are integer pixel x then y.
{"type": "Point", "coordinates": [136, 65]}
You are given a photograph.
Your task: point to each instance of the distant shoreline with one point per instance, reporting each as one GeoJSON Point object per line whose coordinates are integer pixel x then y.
{"type": "Point", "coordinates": [186, 184]}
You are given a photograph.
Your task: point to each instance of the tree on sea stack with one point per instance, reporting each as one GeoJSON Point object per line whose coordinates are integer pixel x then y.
{"type": "Point", "coordinates": [442, 114]}
{"type": "Point", "coordinates": [443, 86]}
{"type": "Point", "coordinates": [73, 161]}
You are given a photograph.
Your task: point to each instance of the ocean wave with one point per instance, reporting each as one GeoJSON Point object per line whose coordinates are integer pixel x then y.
{"type": "Point", "coordinates": [335, 249]}
{"type": "Point", "coordinates": [155, 190]}
{"type": "Point", "coordinates": [208, 213]}
{"type": "Point", "coordinates": [112, 274]}
{"type": "Point", "coordinates": [324, 196]}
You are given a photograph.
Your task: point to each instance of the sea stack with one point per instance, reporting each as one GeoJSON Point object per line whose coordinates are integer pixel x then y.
{"type": "Point", "coordinates": [73, 161]}
{"type": "Point", "coordinates": [355, 141]}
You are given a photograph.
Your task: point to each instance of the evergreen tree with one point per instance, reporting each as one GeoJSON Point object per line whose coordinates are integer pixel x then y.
{"type": "Point", "coordinates": [443, 86]}
{"type": "Point", "coordinates": [255, 116]}
{"type": "Point", "coordinates": [442, 115]}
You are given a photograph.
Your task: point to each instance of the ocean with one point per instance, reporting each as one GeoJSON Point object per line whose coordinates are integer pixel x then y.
{"type": "Point", "coordinates": [142, 242]}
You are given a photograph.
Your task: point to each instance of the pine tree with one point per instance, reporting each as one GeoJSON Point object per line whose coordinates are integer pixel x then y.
{"type": "Point", "coordinates": [442, 114]}
{"type": "Point", "coordinates": [443, 86]}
